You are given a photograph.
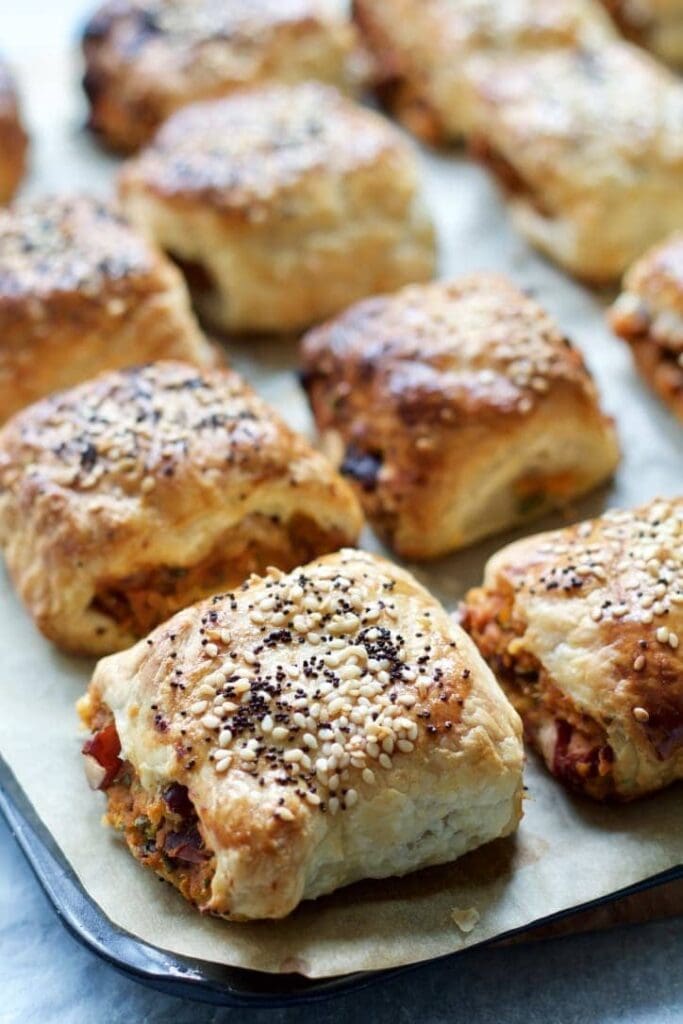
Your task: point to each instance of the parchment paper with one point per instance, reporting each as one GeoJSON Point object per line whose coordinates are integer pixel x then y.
{"type": "Point", "coordinates": [567, 851]}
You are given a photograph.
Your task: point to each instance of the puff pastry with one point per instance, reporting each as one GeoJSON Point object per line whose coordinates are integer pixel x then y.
{"type": "Point", "coordinates": [458, 409]}
{"type": "Point", "coordinates": [649, 315]}
{"type": "Point", "coordinates": [134, 494]}
{"type": "Point", "coordinates": [655, 24]}
{"type": "Point", "coordinates": [421, 49]}
{"type": "Point", "coordinates": [146, 58]}
{"type": "Point", "coordinates": [13, 138]}
{"type": "Point", "coordinates": [300, 733]}
{"type": "Point", "coordinates": [582, 627]}
{"type": "Point", "coordinates": [588, 145]}
{"type": "Point", "coordinates": [81, 292]}
{"type": "Point", "coordinates": [284, 205]}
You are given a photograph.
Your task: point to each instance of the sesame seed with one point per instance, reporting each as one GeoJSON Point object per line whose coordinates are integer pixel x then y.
{"type": "Point", "coordinates": [211, 721]}
{"type": "Point", "coordinates": [308, 709]}
{"type": "Point", "coordinates": [641, 715]}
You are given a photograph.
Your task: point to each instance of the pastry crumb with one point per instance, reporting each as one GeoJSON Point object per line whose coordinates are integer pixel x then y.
{"type": "Point", "coordinates": [466, 918]}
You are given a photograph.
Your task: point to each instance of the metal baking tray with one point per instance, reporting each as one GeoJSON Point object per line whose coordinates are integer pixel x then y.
{"type": "Point", "coordinates": [199, 979]}
{"type": "Point", "coordinates": [474, 235]}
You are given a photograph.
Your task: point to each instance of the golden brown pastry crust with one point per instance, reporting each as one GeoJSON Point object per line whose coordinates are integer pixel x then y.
{"type": "Point", "coordinates": [81, 292]}
{"type": "Point", "coordinates": [649, 316]}
{"type": "Point", "coordinates": [129, 496]}
{"type": "Point", "coordinates": [421, 49]}
{"type": "Point", "coordinates": [458, 408]}
{"type": "Point", "coordinates": [655, 24]}
{"type": "Point", "coordinates": [588, 144]}
{"type": "Point", "coordinates": [293, 201]}
{"type": "Point", "coordinates": [146, 58]}
{"type": "Point", "coordinates": [329, 725]}
{"type": "Point", "coordinates": [13, 138]}
{"type": "Point", "coordinates": [598, 608]}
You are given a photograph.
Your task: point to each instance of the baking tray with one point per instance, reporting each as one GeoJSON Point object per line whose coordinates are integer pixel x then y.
{"type": "Point", "coordinates": [196, 979]}
{"type": "Point", "coordinates": [474, 234]}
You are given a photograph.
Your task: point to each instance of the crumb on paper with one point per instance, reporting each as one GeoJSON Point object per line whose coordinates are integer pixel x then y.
{"type": "Point", "coordinates": [466, 918]}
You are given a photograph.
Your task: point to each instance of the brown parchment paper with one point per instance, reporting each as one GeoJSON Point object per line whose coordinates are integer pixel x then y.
{"type": "Point", "coordinates": [567, 851]}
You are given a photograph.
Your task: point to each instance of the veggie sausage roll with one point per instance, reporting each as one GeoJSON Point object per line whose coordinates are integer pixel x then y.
{"type": "Point", "coordinates": [146, 58]}
{"type": "Point", "coordinates": [283, 204]}
{"type": "Point", "coordinates": [421, 49]}
{"type": "Point", "coordinates": [141, 491]}
{"type": "Point", "coordinates": [457, 409]}
{"type": "Point", "coordinates": [582, 627]}
{"type": "Point", "coordinates": [588, 146]}
{"type": "Point", "coordinates": [649, 315]}
{"type": "Point", "coordinates": [300, 733]}
{"type": "Point", "coordinates": [82, 292]}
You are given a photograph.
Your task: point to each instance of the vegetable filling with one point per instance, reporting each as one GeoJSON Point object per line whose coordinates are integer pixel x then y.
{"type": "Point", "coordinates": [140, 601]}
{"type": "Point", "coordinates": [573, 745]}
{"type": "Point", "coordinates": [161, 828]}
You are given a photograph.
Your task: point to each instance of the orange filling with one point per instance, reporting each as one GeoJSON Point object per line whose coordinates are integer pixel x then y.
{"type": "Point", "coordinates": [573, 745]}
{"type": "Point", "coordinates": [161, 829]}
{"type": "Point", "coordinates": [144, 599]}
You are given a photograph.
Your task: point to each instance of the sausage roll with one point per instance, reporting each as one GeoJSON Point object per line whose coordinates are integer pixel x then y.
{"type": "Point", "coordinates": [421, 49]}
{"type": "Point", "coordinates": [81, 292]}
{"type": "Point", "coordinates": [655, 24]}
{"type": "Point", "coordinates": [300, 733]}
{"type": "Point", "coordinates": [458, 409]}
{"type": "Point", "coordinates": [283, 204]}
{"type": "Point", "coordinates": [143, 490]}
{"type": "Point", "coordinates": [588, 146]}
{"type": "Point", "coordinates": [649, 315]}
{"type": "Point", "coordinates": [13, 138]}
{"type": "Point", "coordinates": [146, 58]}
{"type": "Point", "coordinates": [582, 627]}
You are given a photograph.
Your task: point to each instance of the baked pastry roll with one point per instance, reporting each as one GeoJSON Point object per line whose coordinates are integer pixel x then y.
{"type": "Point", "coordinates": [421, 49]}
{"type": "Point", "coordinates": [458, 409]}
{"type": "Point", "coordinates": [283, 204]}
{"type": "Point", "coordinates": [81, 292]}
{"type": "Point", "coordinates": [13, 138]}
{"type": "Point", "coordinates": [588, 146]}
{"type": "Point", "coordinates": [143, 490]}
{"type": "Point", "coordinates": [146, 58]}
{"type": "Point", "coordinates": [582, 628]}
{"type": "Point", "coordinates": [300, 733]}
{"type": "Point", "coordinates": [649, 315]}
{"type": "Point", "coordinates": [655, 24]}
